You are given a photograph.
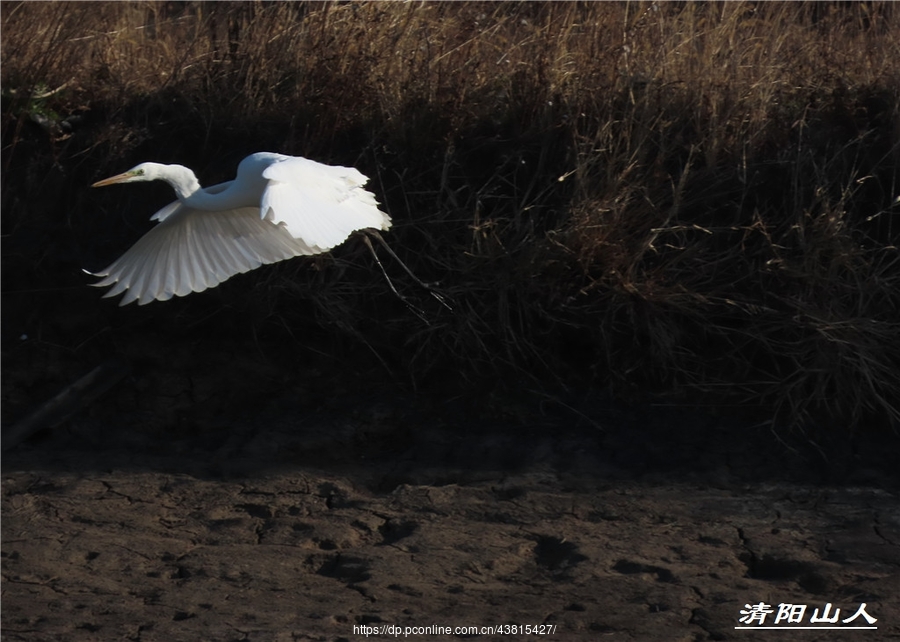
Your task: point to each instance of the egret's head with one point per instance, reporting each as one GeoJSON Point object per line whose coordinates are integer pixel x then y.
{"type": "Point", "coordinates": [142, 172]}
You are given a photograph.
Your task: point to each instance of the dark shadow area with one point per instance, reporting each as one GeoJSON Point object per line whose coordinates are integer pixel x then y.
{"type": "Point", "coordinates": [256, 418]}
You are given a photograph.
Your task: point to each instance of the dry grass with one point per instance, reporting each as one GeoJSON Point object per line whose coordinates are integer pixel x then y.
{"type": "Point", "coordinates": [692, 199]}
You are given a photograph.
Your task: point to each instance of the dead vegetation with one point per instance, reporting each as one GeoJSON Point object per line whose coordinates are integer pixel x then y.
{"type": "Point", "coordinates": [689, 199]}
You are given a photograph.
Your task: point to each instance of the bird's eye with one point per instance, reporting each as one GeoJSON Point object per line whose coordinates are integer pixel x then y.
{"type": "Point", "coordinates": [139, 172]}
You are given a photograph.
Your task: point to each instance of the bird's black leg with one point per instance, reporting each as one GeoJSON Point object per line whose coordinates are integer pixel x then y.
{"type": "Point", "coordinates": [377, 235]}
{"type": "Point", "coordinates": [419, 313]}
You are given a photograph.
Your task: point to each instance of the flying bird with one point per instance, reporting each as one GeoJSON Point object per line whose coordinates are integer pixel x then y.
{"type": "Point", "coordinates": [276, 208]}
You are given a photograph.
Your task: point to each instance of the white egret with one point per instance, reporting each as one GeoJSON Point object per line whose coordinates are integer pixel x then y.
{"type": "Point", "coordinates": [277, 207]}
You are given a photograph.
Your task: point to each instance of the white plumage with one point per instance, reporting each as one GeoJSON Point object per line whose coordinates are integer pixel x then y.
{"type": "Point", "coordinates": [277, 207]}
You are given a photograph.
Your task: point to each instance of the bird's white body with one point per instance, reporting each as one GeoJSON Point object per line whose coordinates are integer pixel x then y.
{"type": "Point", "coordinates": [276, 208]}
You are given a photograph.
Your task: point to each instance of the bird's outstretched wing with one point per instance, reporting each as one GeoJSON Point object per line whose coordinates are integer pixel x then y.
{"type": "Point", "coordinates": [318, 204]}
{"type": "Point", "coordinates": [191, 250]}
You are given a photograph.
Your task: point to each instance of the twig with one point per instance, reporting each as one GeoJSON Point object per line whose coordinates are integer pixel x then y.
{"type": "Point", "coordinates": [68, 402]}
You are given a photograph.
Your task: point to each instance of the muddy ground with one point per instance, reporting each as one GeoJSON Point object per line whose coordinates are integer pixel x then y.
{"type": "Point", "coordinates": [310, 515]}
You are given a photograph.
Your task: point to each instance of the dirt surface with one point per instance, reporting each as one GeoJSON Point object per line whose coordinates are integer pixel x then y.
{"type": "Point", "coordinates": [307, 521]}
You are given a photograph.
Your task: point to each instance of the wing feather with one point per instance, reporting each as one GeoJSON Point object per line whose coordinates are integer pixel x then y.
{"type": "Point", "coordinates": [319, 204]}
{"type": "Point", "coordinates": [191, 250]}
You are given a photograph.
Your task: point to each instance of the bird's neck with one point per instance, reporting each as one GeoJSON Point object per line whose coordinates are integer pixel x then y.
{"type": "Point", "coordinates": [183, 181]}
{"type": "Point", "coordinates": [217, 198]}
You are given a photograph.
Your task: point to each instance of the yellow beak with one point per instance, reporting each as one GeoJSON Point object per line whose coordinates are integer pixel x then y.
{"type": "Point", "coordinates": [118, 178]}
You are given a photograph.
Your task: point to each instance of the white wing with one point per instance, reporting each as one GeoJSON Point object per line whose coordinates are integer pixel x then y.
{"type": "Point", "coordinates": [320, 205]}
{"type": "Point", "coordinates": [191, 250]}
